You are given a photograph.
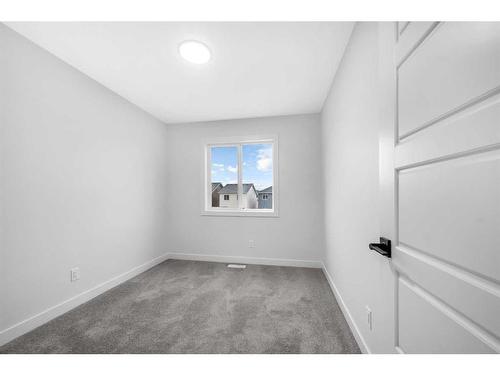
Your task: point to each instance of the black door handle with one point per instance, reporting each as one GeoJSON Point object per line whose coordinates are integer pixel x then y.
{"type": "Point", "coordinates": [383, 248]}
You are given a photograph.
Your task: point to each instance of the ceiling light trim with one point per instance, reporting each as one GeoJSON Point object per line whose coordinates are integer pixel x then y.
{"type": "Point", "coordinates": [195, 52]}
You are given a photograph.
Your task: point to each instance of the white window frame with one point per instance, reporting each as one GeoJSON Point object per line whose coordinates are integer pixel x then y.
{"type": "Point", "coordinates": [238, 142]}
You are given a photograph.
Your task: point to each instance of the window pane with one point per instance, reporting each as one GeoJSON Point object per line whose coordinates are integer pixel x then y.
{"type": "Point", "coordinates": [224, 176]}
{"type": "Point", "coordinates": [257, 166]}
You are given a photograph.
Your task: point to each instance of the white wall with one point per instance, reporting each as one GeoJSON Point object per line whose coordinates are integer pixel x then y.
{"type": "Point", "coordinates": [296, 234]}
{"type": "Point", "coordinates": [83, 180]}
{"type": "Point", "coordinates": [350, 159]}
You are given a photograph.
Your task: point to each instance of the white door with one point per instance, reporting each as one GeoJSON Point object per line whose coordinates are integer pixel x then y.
{"type": "Point", "coordinates": [440, 179]}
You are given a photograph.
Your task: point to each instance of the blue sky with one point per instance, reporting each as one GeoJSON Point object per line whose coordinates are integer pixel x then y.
{"type": "Point", "coordinates": [257, 165]}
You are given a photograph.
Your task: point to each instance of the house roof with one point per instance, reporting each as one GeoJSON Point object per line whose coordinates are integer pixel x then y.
{"type": "Point", "coordinates": [215, 184]}
{"type": "Point", "coordinates": [267, 190]}
{"type": "Point", "coordinates": [233, 189]}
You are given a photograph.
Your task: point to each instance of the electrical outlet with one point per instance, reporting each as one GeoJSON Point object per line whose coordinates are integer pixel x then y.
{"type": "Point", "coordinates": [75, 274]}
{"type": "Point", "coordinates": [369, 318]}
{"type": "Point", "coordinates": [251, 243]}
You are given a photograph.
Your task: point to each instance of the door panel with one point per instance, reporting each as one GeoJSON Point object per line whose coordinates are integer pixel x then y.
{"type": "Point", "coordinates": [446, 177]}
{"type": "Point", "coordinates": [451, 210]}
{"type": "Point", "coordinates": [474, 128]}
{"type": "Point", "coordinates": [457, 64]}
{"type": "Point", "coordinates": [450, 283]}
{"type": "Point", "coordinates": [446, 336]}
{"type": "Point", "coordinates": [402, 27]}
{"type": "Point", "coordinates": [411, 33]}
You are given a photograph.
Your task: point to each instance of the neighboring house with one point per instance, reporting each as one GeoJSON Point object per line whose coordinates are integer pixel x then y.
{"type": "Point", "coordinates": [216, 186]}
{"type": "Point", "coordinates": [265, 198]}
{"type": "Point", "coordinates": [228, 196]}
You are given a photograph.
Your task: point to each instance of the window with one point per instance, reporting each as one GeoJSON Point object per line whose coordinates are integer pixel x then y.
{"type": "Point", "coordinates": [244, 171]}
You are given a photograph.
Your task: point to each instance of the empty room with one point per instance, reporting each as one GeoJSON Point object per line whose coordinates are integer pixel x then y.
{"type": "Point", "coordinates": [184, 187]}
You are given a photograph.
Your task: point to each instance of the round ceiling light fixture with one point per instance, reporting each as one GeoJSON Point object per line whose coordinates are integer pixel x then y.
{"type": "Point", "coordinates": [195, 52]}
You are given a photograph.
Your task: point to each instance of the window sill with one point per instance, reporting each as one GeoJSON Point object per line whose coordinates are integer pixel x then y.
{"type": "Point", "coordinates": [261, 213]}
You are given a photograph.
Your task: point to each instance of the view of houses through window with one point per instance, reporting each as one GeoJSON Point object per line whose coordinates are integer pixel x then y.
{"type": "Point", "coordinates": [256, 176]}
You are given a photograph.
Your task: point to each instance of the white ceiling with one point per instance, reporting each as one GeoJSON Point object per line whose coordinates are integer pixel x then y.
{"type": "Point", "coordinates": [257, 69]}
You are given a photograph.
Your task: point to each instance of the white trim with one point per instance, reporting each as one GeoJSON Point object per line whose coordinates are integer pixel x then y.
{"type": "Point", "coordinates": [43, 317]}
{"type": "Point", "coordinates": [348, 317]}
{"type": "Point", "coordinates": [261, 212]}
{"type": "Point", "coordinates": [247, 260]}
{"type": "Point", "coordinates": [239, 198]}
{"type": "Point", "coordinates": [234, 141]}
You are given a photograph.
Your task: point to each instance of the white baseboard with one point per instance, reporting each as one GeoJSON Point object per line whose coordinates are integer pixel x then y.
{"type": "Point", "coordinates": [247, 260]}
{"type": "Point", "coordinates": [53, 312]}
{"type": "Point", "coordinates": [348, 317]}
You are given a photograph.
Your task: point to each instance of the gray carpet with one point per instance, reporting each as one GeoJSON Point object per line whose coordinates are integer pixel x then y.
{"type": "Point", "coordinates": [202, 307]}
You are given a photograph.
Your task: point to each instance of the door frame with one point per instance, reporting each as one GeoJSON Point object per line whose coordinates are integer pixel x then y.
{"type": "Point", "coordinates": [388, 209]}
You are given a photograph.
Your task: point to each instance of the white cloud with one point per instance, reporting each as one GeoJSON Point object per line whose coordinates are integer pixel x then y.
{"type": "Point", "coordinates": [232, 169]}
{"type": "Point", "coordinates": [265, 159]}
{"type": "Point", "coordinates": [220, 167]}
